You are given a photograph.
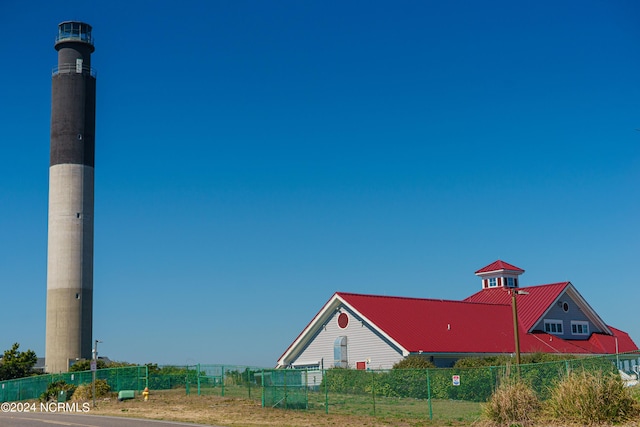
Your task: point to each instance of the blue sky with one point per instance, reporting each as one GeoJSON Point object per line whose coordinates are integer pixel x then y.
{"type": "Point", "coordinates": [254, 157]}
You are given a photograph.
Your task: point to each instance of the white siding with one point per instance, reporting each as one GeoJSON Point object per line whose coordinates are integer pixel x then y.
{"type": "Point", "coordinates": [362, 344]}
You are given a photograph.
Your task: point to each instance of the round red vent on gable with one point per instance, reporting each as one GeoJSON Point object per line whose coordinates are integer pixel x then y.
{"type": "Point", "coordinates": [343, 320]}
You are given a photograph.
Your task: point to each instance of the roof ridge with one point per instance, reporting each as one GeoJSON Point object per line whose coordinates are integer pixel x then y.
{"type": "Point", "coordinates": [398, 297]}
{"type": "Point", "coordinates": [545, 284]}
{"type": "Point", "coordinates": [499, 265]}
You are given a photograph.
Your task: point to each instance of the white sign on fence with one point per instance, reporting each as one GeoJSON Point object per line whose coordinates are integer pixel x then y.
{"type": "Point", "coordinates": [456, 379]}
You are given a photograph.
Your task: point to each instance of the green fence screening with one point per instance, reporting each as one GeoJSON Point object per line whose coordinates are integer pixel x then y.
{"type": "Point", "coordinates": [285, 388]}
{"type": "Point", "coordinates": [122, 378]}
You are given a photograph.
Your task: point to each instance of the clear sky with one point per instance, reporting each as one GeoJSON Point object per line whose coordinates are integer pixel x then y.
{"type": "Point", "coordinates": [254, 157]}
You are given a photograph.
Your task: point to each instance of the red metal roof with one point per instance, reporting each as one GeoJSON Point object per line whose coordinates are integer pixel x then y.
{"type": "Point", "coordinates": [499, 265]}
{"type": "Point", "coordinates": [531, 307]}
{"type": "Point", "coordinates": [620, 342]}
{"type": "Point", "coordinates": [482, 323]}
{"type": "Point", "coordinates": [430, 325]}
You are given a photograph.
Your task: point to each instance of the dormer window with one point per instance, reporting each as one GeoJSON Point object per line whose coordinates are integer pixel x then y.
{"type": "Point", "coordinates": [493, 282]}
{"type": "Point", "coordinates": [511, 283]}
{"type": "Point", "coordinates": [579, 327]}
{"type": "Point", "coordinates": [553, 326]}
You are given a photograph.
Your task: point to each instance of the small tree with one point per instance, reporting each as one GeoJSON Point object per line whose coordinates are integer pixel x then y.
{"type": "Point", "coordinates": [17, 364]}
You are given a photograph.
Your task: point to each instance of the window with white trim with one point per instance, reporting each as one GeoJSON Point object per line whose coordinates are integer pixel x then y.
{"type": "Point", "coordinates": [493, 282]}
{"type": "Point", "coordinates": [553, 326]}
{"type": "Point", "coordinates": [579, 327]}
{"type": "Point", "coordinates": [510, 282]}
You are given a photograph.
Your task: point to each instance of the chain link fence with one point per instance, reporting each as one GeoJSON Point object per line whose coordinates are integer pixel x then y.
{"type": "Point", "coordinates": [452, 394]}
{"type": "Point", "coordinates": [221, 380]}
{"type": "Point", "coordinates": [121, 378]}
{"type": "Point", "coordinates": [440, 393]}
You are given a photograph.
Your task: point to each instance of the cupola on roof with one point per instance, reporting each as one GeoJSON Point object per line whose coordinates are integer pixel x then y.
{"type": "Point", "coordinates": [499, 266]}
{"type": "Point", "coordinates": [499, 274]}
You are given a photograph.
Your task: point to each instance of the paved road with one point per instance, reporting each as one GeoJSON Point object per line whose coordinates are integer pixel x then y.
{"type": "Point", "coordinates": [38, 419]}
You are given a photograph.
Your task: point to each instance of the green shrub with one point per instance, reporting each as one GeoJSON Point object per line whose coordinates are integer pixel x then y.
{"type": "Point", "coordinates": [479, 375]}
{"type": "Point", "coordinates": [169, 377]}
{"type": "Point", "coordinates": [403, 383]}
{"type": "Point", "coordinates": [592, 398]}
{"type": "Point", "coordinates": [414, 361]}
{"type": "Point", "coordinates": [477, 362]}
{"type": "Point", "coordinates": [54, 389]}
{"type": "Point", "coordinates": [85, 391]}
{"type": "Point", "coordinates": [342, 380]}
{"type": "Point", "coordinates": [513, 402]}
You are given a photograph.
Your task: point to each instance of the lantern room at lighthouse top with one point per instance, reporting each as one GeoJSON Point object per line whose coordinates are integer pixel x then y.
{"type": "Point", "coordinates": [74, 31]}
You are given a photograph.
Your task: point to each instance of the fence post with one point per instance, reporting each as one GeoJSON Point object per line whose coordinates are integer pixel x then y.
{"type": "Point", "coordinates": [326, 389]}
{"type": "Point", "coordinates": [262, 388]}
{"type": "Point", "coordinates": [186, 380]}
{"type": "Point", "coordinates": [248, 380]}
{"type": "Point", "coordinates": [373, 390]}
{"type": "Point", "coordinates": [284, 372]}
{"type": "Point", "coordinates": [222, 379]}
{"type": "Point", "coordinates": [198, 377]}
{"type": "Point", "coordinates": [306, 389]}
{"type": "Point", "coordinates": [429, 395]}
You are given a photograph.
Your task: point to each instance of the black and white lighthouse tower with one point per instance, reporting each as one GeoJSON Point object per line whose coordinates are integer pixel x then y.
{"type": "Point", "coordinates": [71, 178]}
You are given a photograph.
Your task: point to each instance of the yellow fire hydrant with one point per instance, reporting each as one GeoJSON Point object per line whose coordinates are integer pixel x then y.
{"type": "Point", "coordinates": [145, 394]}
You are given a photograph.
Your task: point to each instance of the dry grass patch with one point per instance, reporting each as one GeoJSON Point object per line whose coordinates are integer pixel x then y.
{"type": "Point", "coordinates": [84, 392]}
{"type": "Point", "coordinates": [235, 412]}
{"type": "Point", "coordinates": [513, 403]}
{"type": "Point", "coordinates": [588, 398]}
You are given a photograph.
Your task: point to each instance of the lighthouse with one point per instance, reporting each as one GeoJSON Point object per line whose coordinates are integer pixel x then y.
{"type": "Point", "coordinates": [71, 180]}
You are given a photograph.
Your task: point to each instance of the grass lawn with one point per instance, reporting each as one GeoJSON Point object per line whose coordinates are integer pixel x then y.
{"type": "Point", "coordinates": [344, 411]}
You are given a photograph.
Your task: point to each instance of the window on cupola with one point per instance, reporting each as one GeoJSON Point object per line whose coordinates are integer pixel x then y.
{"type": "Point", "coordinates": [510, 282]}
{"type": "Point", "coordinates": [493, 282]}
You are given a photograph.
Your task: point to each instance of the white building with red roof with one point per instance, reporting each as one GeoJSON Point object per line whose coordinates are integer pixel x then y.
{"type": "Point", "coordinates": [375, 332]}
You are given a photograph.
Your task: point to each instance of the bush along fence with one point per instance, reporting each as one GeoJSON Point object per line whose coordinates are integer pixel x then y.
{"type": "Point", "coordinates": [121, 378]}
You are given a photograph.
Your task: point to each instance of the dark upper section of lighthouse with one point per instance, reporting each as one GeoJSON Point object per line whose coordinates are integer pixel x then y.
{"type": "Point", "coordinates": [73, 97]}
{"type": "Point", "coordinates": [74, 44]}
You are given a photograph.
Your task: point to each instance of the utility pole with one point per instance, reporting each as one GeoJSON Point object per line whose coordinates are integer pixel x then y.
{"type": "Point", "coordinates": [516, 334]}
{"type": "Point", "coordinates": [94, 368]}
